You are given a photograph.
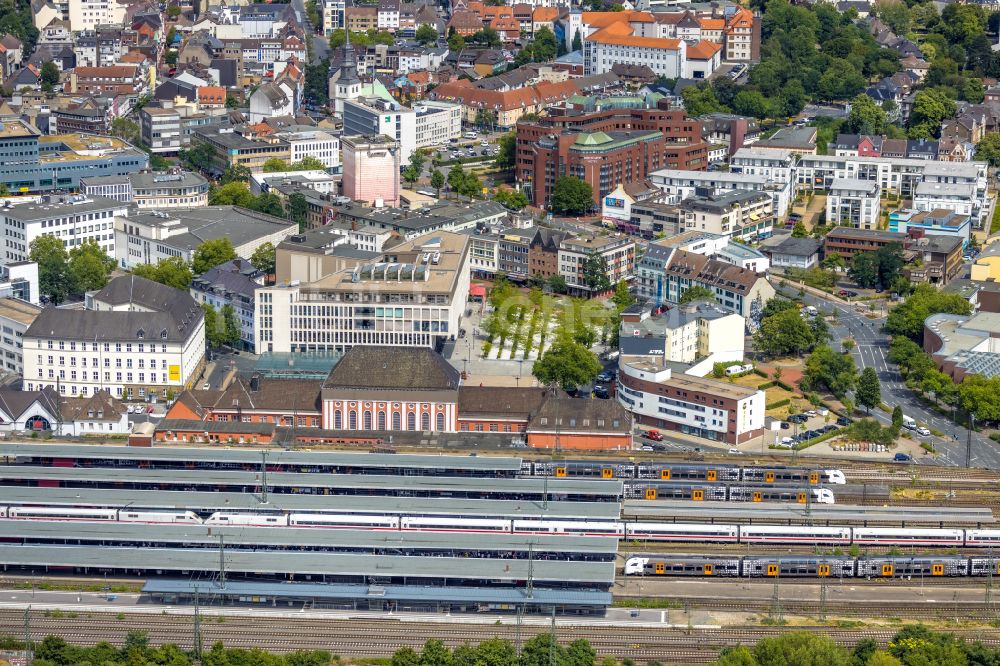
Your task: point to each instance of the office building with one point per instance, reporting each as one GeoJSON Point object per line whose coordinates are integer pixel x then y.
{"type": "Point", "coordinates": [617, 251]}
{"type": "Point", "coordinates": [72, 218]}
{"type": "Point", "coordinates": [853, 202]}
{"type": "Point", "coordinates": [15, 318]}
{"type": "Point", "coordinates": [151, 191]}
{"type": "Point", "coordinates": [847, 242]}
{"type": "Point", "coordinates": [232, 283]}
{"type": "Point", "coordinates": [160, 130]}
{"type": "Point", "coordinates": [685, 334]}
{"type": "Point", "coordinates": [741, 215]}
{"type": "Point", "coordinates": [372, 116]}
{"type": "Point", "coordinates": [371, 169]}
{"type": "Point", "coordinates": [137, 339]}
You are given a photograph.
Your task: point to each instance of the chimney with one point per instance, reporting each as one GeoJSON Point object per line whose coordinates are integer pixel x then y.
{"type": "Point", "coordinates": [737, 134]}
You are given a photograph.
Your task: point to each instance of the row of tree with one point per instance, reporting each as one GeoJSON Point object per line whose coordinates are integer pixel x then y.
{"type": "Point", "coordinates": [62, 274]}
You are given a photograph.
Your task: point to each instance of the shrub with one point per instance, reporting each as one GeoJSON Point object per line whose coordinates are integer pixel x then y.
{"type": "Point", "coordinates": [778, 403]}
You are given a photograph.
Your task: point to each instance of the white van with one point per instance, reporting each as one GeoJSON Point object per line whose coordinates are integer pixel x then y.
{"type": "Point", "coordinates": [470, 135]}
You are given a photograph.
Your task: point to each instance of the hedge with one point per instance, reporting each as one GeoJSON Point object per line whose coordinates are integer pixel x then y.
{"type": "Point", "coordinates": [779, 403]}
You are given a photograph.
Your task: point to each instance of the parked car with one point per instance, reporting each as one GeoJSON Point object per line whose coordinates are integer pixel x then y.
{"type": "Point", "coordinates": [645, 447]}
{"type": "Point", "coordinates": [734, 452]}
{"type": "Point", "coordinates": [654, 435]}
{"type": "Point", "coordinates": [843, 421]}
{"type": "Point", "coordinates": [902, 457]}
{"type": "Point", "coordinates": [601, 392]}
{"type": "Point", "coordinates": [605, 376]}
{"type": "Point", "coordinates": [923, 431]}
{"type": "Point", "coordinates": [785, 425]}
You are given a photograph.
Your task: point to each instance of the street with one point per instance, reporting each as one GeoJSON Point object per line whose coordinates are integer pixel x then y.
{"type": "Point", "coordinates": [871, 350]}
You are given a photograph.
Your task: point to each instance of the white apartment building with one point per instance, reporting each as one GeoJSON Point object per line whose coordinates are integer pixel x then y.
{"type": "Point", "coordinates": [684, 334]}
{"type": "Point", "coordinates": [150, 236]}
{"type": "Point", "coordinates": [714, 410]}
{"type": "Point", "coordinates": [388, 15]}
{"type": "Point", "coordinates": [317, 180]}
{"type": "Point", "coordinates": [853, 202]}
{"type": "Point", "coordinates": [773, 163]}
{"type": "Point", "coordinates": [680, 184]}
{"type": "Point", "coordinates": [741, 215]}
{"type": "Point", "coordinates": [333, 15]}
{"type": "Point", "coordinates": [957, 197]}
{"type": "Point", "coordinates": [483, 254]}
{"type": "Point", "coordinates": [151, 191]}
{"type": "Point", "coordinates": [618, 251]}
{"type": "Point", "coordinates": [137, 339]}
{"type": "Point", "coordinates": [16, 316]}
{"type": "Point", "coordinates": [88, 14]}
{"type": "Point", "coordinates": [313, 143]}
{"type": "Point", "coordinates": [437, 122]}
{"type": "Point", "coordinates": [414, 295]}
{"type": "Point", "coordinates": [72, 218]}
{"type": "Point", "coordinates": [160, 129]}
{"type": "Point", "coordinates": [606, 48]}
{"type": "Point", "coordinates": [895, 175]}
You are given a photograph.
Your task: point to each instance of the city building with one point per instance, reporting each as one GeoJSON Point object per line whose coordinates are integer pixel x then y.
{"type": "Point", "coordinates": [29, 162]}
{"type": "Point", "coordinates": [88, 14]}
{"type": "Point", "coordinates": [616, 206]}
{"type": "Point", "coordinates": [964, 344]}
{"type": "Point", "coordinates": [371, 169]}
{"type": "Point", "coordinates": [853, 202]}
{"type": "Point", "coordinates": [137, 339]}
{"type": "Point", "coordinates": [940, 259]}
{"type": "Point", "coordinates": [411, 223]}
{"type": "Point", "coordinates": [16, 316]}
{"type": "Point", "coordinates": [737, 289]}
{"type": "Point", "coordinates": [788, 252]}
{"type": "Point", "coordinates": [391, 388]}
{"type": "Point", "coordinates": [798, 140]}
{"type": "Point", "coordinates": [680, 184]}
{"type": "Point", "coordinates": [617, 251]}
{"type": "Point", "coordinates": [412, 295]}
{"type": "Point", "coordinates": [715, 410]}
{"type": "Point", "coordinates": [320, 181]}
{"type": "Point", "coordinates": [565, 423]}
{"type": "Point", "coordinates": [72, 218]}
{"type": "Point", "coordinates": [986, 266]}
{"type": "Point", "coordinates": [234, 284]}
{"type": "Point", "coordinates": [321, 145]}
{"type": "Point", "coordinates": [160, 129]}
{"type": "Point", "coordinates": [148, 237]}
{"type": "Point", "coordinates": [941, 222]}
{"type": "Point", "coordinates": [239, 146]}
{"type": "Point", "coordinates": [846, 241]}
{"type": "Point", "coordinates": [151, 191]}
{"type": "Point", "coordinates": [774, 164]}
{"type": "Point", "coordinates": [19, 279]}
{"type": "Point", "coordinates": [959, 198]}
{"type": "Point", "coordinates": [743, 215]}
{"type": "Point", "coordinates": [617, 43]}
{"type": "Point", "coordinates": [688, 333]}
{"type": "Point", "coordinates": [603, 160]}
{"type": "Point", "coordinates": [374, 116]}
{"type": "Point", "coordinates": [108, 80]}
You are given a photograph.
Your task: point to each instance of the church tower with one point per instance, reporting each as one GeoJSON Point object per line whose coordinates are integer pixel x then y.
{"type": "Point", "coordinates": [346, 84]}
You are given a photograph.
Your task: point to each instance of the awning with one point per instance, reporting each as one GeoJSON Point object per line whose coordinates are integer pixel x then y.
{"type": "Point", "coordinates": [477, 290]}
{"type": "Point", "coordinates": [754, 217]}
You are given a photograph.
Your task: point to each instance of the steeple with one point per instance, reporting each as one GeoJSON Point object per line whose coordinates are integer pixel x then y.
{"type": "Point", "coordinates": [349, 65]}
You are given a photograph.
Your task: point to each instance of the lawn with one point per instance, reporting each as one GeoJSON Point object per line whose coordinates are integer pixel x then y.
{"type": "Point", "coordinates": [995, 222]}
{"type": "Point", "coordinates": [774, 394]}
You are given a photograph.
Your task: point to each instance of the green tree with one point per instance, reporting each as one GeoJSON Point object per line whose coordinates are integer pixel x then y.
{"type": "Point", "coordinates": [866, 117]}
{"type": "Point", "coordinates": [981, 397]}
{"type": "Point", "coordinates": [785, 333]}
{"type": "Point", "coordinates": [566, 363]}
{"type": "Point", "coordinates": [595, 272]}
{"type": "Point", "coordinates": [580, 653]}
{"type": "Point", "coordinates": [232, 332]}
{"type": "Point", "coordinates": [830, 370]}
{"type": "Point", "coordinates": [869, 391]}
{"type": "Point", "coordinates": [558, 285]}
{"type": "Point", "coordinates": [506, 155]}
{"type": "Point", "coordinates": [736, 656]}
{"type": "Point", "coordinates": [307, 163]}
{"type": "Point", "coordinates": [426, 34]}
{"type": "Point", "coordinates": [623, 297]}
{"type": "Point", "coordinates": [49, 75]}
{"type": "Point", "coordinates": [298, 209]}
{"type": "Point", "coordinates": [405, 656]}
{"type": "Point", "coordinates": [496, 652]}
{"type": "Point", "coordinates": [275, 165]}
{"type": "Point", "coordinates": [883, 658]}
{"type": "Point", "coordinates": [894, 14]}
{"type": "Point", "coordinates": [172, 271]}
{"type": "Point", "coordinates": [215, 328]}
{"type": "Point", "coordinates": [539, 650]}
{"type": "Point", "coordinates": [4, 190]}
{"type": "Point", "coordinates": [125, 129]}
{"type": "Point", "coordinates": [799, 230]}
{"type": "Point", "coordinates": [456, 177]}
{"type": "Point", "coordinates": [841, 80]}
{"type": "Point", "coordinates": [890, 262]}
{"type": "Point", "coordinates": [198, 157]}
{"type": "Point", "coordinates": [897, 418]}
{"type": "Point", "coordinates": [486, 119]}
{"type": "Point", "coordinates": [696, 293]}
{"type": "Point", "coordinates": [570, 195]}
{"type": "Point", "coordinates": [834, 261]}
{"type": "Point", "coordinates": [577, 42]}
{"type": "Point", "coordinates": [930, 108]}
{"type": "Point", "coordinates": [512, 199]}
{"type": "Point", "coordinates": [799, 648]}
{"type": "Point", "coordinates": [268, 203]}
{"type": "Point", "coordinates": [700, 99]}
{"type": "Point", "coordinates": [988, 149]}
{"type": "Point", "coordinates": [908, 317]}
{"type": "Point", "coordinates": [235, 173]}
{"type": "Point", "coordinates": [235, 193]}
{"type": "Point", "coordinates": [211, 253]}
{"type": "Point", "coordinates": [263, 258]}
{"type": "Point", "coordinates": [89, 266]}
{"type": "Point", "coordinates": [776, 305]}
{"type": "Point", "coordinates": [864, 269]}
{"type": "Point", "coordinates": [435, 653]}
{"type": "Point", "coordinates": [437, 181]}
{"type": "Point", "coordinates": [410, 174]}
{"type": "Point", "coordinates": [173, 11]}
{"type": "Point", "coordinates": [753, 103]}
{"type": "Point", "coordinates": [456, 42]}
{"type": "Point", "coordinates": [54, 278]}
{"type": "Point", "coordinates": [543, 45]}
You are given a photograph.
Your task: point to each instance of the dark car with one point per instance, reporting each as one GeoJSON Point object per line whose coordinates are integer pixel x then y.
{"type": "Point", "coordinates": [843, 421]}
{"type": "Point", "coordinates": [798, 418]}
{"type": "Point", "coordinates": [828, 428]}
{"type": "Point", "coordinates": [785, 425]}
{"type": "Point", "coordinates": [902, 457]}
{"type": "Point", "coordinates": [601, 392]}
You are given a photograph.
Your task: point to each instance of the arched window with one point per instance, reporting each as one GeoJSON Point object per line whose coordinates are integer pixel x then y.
{"type": "Point", "coordinates": [368, 420]}
{"type": "Point", "coordinates": [352, 420]}
{"type": "Point", "coordinates": [381, 420]}
{"type": "Point", "coordinates": [440, 422]}
{"type": "Point", "coordinates": [338, 420]}
{"type": "Point", "coordinates": [411, 421]}
{"type": "Point", "coordinates": [396, 421]}
{"type": "Point", "coordinates": [425, 421]}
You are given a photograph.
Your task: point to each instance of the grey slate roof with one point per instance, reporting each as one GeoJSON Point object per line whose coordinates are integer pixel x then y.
{"type": "Point", "coordinates": [232, 277]}
{"type": "Point", "coordinates": [796, 247]}
{"type": "Point", "coordinates": [239, 225]}
{"type": "Point", "coordinates": [372, 367]}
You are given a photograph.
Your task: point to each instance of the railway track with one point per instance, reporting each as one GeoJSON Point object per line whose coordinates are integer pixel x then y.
{"type": "Point", "coordinates": [382, 637]}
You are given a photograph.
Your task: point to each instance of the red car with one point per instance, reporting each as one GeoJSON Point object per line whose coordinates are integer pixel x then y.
{"type": "Point", "coordinates": [654, 435]}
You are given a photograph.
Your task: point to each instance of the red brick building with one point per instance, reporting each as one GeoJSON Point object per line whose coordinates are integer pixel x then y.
{"type": "Point", "coordinates": [682, 146]}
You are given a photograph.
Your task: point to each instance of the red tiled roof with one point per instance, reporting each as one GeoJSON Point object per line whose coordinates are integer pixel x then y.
{"type": "Point", "coordinates": [545, 14]}
{"type": "Point", "coordinates": [703, 50]}
{"type": "Point", "coordinates": [111, 72]}
{"type": "Point", "coordinates": [621, 35]}
{"type": "Point", "coordinates": [212, 95]}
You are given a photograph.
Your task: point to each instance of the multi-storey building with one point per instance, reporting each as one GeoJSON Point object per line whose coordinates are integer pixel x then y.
{"type": "Point", "coordinates": [388, 15]}
{"type": "Point", "coordinates": [313, 143]}
{"type": "Point", "coordinates": [16, 316]}
{"type": "Point", "coordinates": [847, 242]}
{"type": "Point", "coordinates": [436, 122]}
{"type": "Point", "coordinates": [372, 116]}
{"type": "Point", "coordinates": [333, 15]}
{"type": "Point", "coordinates": [151, 191]}
{"type": "Point", "coordinates": [28, 162]}
{"type": "Point", "coordinates": [740, 290]}
{"type": "Point", "coordinates": [685, 334]}
{"type": "Point", "coordinates": [239, 147]}
{"type": "Point", "coordinates": [773, 163]}
{"type": "Point", "coordinates": [617, 251]}
{"type": "Point", "coordinates": [742, 36]}
{"type": "Point", "coordinates": [680, 185]}
{"type": "Point", "coordinates": [73, 219]}
{"type": "Point", "coordinates": [617, 43]}
{"type": "Point", "coordinates": [960, 198]}
{"type": "Point", "coordinates": [232, 283]}
{"type": "Point", "coordinates": [413, 295]}
{"type": "Point", "coordinates": [88, 14]}
{"type": "Point", "coordinates": [136, 339]}
{"type": "Point", "coordinates": [896, 176]}
{"type": "Point", "coordinates": [604, 160]}
{"type": "Point", "coordinates": [371, 168]}
{"type": "Point", "coordinates": [513, 247]}
{"type": "Point", "coordinates": [940, 222]}
{"type": "Point", "coordinates": [160, 130]}
{"type": "Point", "coordinates": [741, 215]}
{"type": "Point", "coordinates": [150, 236]}
{"type": "Point", "coordinates": [110, 80]}
{"type": "Point", "coordinates": [853, 202]}
{"type": "Point", "coordinates": [715, 410]}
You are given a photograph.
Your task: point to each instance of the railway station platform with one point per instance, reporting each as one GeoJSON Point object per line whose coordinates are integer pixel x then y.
{"type": "Point", "coordinates": [387, 598]}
